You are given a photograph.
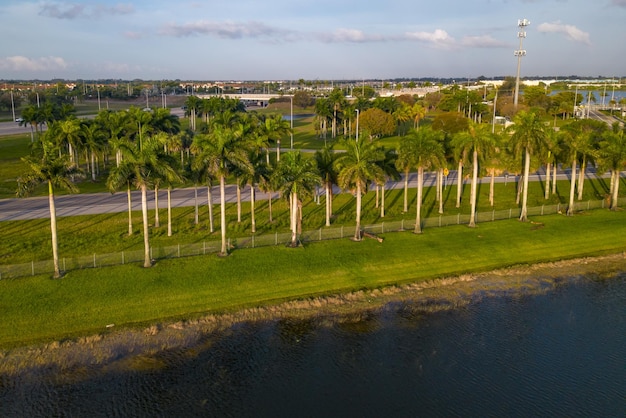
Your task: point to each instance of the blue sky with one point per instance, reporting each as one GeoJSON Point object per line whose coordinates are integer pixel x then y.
{"type": "Point", "coordinates": [310, 39]}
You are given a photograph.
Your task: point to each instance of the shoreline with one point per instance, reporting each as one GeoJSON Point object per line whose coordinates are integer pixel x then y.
{"type": "Point", "coordinates": [123, 347]}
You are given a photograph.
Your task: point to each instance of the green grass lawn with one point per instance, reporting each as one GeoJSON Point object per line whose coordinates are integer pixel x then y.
{"type": "Point", "coordinates": [83, 302]}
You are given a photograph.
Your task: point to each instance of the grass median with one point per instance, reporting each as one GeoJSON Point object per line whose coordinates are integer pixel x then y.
{"type": "Point", "coordinates": [38, 309]}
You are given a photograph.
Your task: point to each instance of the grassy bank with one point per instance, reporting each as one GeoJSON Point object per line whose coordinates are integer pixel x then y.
{"type": "Point", "coordinates": [84, 302]}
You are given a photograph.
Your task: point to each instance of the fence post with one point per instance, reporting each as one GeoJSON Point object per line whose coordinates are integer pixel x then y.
{"type": "Point", "coordinates": [320, 234]}
{"type": "Point", "coordinates": [588, 201]}
{"type": "Point", "coordinates": [32, 267]}
{"type": "Point", "coordinates": [439, 221]}
{"type": "Point", "coordinates": [558, 207]}
{"type": "Point", "coordinates": [382, 228]}
{"type": "Point", "coordinates": [341, 231]}
{"type": "Point", "coordinates": [541, 210]}
{"type": "Point", "coordinates": [402, 226]}
{"type": "Point", "coordinates": [203, 247]}
{"type": "Point", "coordinates": [94, 260]}
{"type": "Point", "coordinates": [252, 240]}
{"type": "Point", "coordinates": [510, 212]}
{"type": "Point", "coordinates": [276, 238]}
{"type": "Point", "coordinates": [458, 219]}
{"type": "Point", "coordinates": [493, 215]}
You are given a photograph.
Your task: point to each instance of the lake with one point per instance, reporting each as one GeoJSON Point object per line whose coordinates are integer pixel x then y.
{"type": "Point", "coordinates": [559, 353]}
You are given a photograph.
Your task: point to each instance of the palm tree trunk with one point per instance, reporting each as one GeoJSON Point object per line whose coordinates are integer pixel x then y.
{"type": "Point", "coordinates": [147, 262]}
{"type": "Point", "coordinates": [238, 204]}
{"type": "Point", "coordinates": [157, 222]}
{"type": "Point", "coordinates": [614, 201]}
{"type": "Point", "coordinates": [459, 184]}
{"type": "Point", "coordinates": [473, 192]}
{"type": "Point", "coordinates": [195, 197]}
{"type": "Point", "coordinates": [492, 184]}
{"type": "Point", "coordinates": [377, 200]}
{"type": "Point", "coordinates": [169, 211]}
{"type": "Point", "coordinates": [224, 250]}
{"type": "Point", "coordinates": [93, 166]}
{"type": "Point", "coordinates": [547, 191]}
{"type": "Point", "coordinates": [294, 218]}
{"type": "Point", "coordinates": [329, 202]}
{"type": "Point", "coordinates": [572, 188]}
{"type": "Point", "coordinates": [53, 230]}
{"type": "Point", "coordinates": [382, 200]}
{"type": "Point", "coordinates": [209, 198]}
{"type": "Point", "coordinates": [130, 211]}
{"type": "Point", "coordinates": [252, 220]}
{"type": "Point", "coordinates": [524, 213]}
{"type": "Point", "coordinates": [406, 191]}
{"type": "Point", "coordinates": [554, 168]}
{"type": "Point", "coordinates": [581, 177]}
{"type": "Point", "coordinates": [269, 205]}
{"type": "Point", "coordinates": [420, 185]}
{"type": "Point", "coordinates": [440, 187]}
{"type": "Point", "coordinates": [357, 232]}
{"type": "Point", "coordinates": [277, 150]}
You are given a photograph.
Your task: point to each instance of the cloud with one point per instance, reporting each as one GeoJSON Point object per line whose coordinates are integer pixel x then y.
{"type": "Point", "coordinates": [21, 63]}
{"type": "Point", "coordinates": [483, 41]}
{"type": "Point", "coordinates": [438, 39]}
{"type": "Point", "coordinates": [133, 35]}
{"type": "Point", "coordinates": [349, 35]}
{"type": "Point", "coordinates": [71, 11]}
{"type": "Point", "coordinates": [571, 32]}
{"type": "Point", "coordinates": [226, 30]}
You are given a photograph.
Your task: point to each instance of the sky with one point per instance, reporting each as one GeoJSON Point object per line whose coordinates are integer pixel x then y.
{"type": "Point", "coordinates": [308, 39]}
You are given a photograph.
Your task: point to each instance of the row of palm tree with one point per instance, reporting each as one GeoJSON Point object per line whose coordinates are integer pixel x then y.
{"type": "Point", "coordinates": [236, 144]}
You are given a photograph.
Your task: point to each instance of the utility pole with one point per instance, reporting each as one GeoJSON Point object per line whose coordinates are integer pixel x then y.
{"type": "Point", "coordinates": [521, 34]}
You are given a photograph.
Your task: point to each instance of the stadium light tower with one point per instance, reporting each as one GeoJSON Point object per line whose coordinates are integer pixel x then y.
{"type": "Point", "coordinates": [521, 34]}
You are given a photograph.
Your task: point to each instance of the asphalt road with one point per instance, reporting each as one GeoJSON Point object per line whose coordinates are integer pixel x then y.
{"type": "Point", "coordinates": [97, 203]}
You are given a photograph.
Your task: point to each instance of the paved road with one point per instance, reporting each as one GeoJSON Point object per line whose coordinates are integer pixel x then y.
{"type": "Point", "coordinates": [96, 203]}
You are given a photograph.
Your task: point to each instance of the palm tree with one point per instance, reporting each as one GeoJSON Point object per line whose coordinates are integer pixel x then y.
{"type": "Point", "coordinates": [271, 129]}
{"type": "Point", "coordinates": [94, 141]}
{"type": "Point", "coordinates": [357, 167]}
{"type": "Point", "coordinates": [55, 170]}
{"type": "Point", "coordinates": [68, 133]}
{"type": "Point", "coordinates": [323, 112]}
{"type": "Point", "coordinates": [407, 159]}
{"type": "Point", "coordinates": [612, 156]}
{"type": "Point", "coordinates": [296, 177]}
{"type": "Point", "coordinates": [388, 165]}
{"type": "Point", "coordinates": [220, 152]}
{"type": "Point", "coordinates": [426, 145]}
{"type": "Point", "coordinates": [142, 165]}
{"type": "Point", "coordinates": [528, 138]}
{"type": "Point", "coordinates": [479, 142]}
{"type": "Point", "coordinates": [337, 101]}
{"type": "Point", "coordinates": [418, 111]}
{"type": "Point", "coordinates": [326, 165]}
{"type": "Point", "coordinates": [192, 103]}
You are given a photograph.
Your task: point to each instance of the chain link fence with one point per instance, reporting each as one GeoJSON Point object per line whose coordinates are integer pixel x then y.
{"type": "Point", "coordinates": [209, 247]}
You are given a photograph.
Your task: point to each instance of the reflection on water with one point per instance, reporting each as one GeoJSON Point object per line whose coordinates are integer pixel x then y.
{"type": "Point", "coordinates": [562, 353]}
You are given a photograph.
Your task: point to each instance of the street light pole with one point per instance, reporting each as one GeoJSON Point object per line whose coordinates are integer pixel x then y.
{"type": "Point", "coordinates": [291, 120]}
{"type": "Point", "coordinates": [521, 34]}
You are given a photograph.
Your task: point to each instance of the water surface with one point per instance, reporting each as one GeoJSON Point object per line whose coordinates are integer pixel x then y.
{"type": "Point", "coordinates": [558, 354]}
